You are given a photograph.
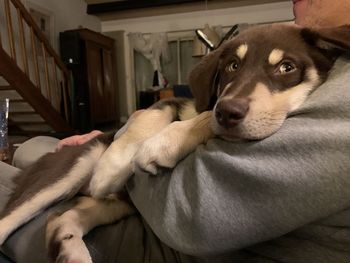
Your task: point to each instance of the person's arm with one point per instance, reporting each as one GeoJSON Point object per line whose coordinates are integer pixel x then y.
{"type": "Point", "coordinates": [228, 196]}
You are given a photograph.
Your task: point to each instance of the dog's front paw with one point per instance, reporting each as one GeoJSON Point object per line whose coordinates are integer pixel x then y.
{"type": "Point", "coordinates": [161, 150]}
{"type": "Point", "coordinates": [103, 176]}
{"type": "Point", "coordinates": [64, 241]}
{"type": "Point", "coordinates": [112, 171]}
{"type": "Point", "coordinates": [72, 250]}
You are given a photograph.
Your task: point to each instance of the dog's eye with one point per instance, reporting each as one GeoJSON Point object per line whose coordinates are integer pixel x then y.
{"type": "Point", "coordinates": [286, 67]}
{"type": "Point", "coordinates": [233, 66]}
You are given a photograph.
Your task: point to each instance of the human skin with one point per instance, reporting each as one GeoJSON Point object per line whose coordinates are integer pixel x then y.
{"type": "Point", "coordinates": [77, 139]}
{"type": "Point", "coordinates": [81, 139]}
{"type": "Point", "coordinates": [321, 13]}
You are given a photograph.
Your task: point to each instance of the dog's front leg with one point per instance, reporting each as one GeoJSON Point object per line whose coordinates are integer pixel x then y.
{"type": "Point", "coordinates": [115, 166]}
{"type": "Point", "coordinates": [173, 143]}
{"type": "Point", "coordinates": [64, 233]}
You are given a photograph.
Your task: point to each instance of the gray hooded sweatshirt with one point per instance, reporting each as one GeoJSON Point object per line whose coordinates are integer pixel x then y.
{"type": "Point", "coordinates": [283, 199]}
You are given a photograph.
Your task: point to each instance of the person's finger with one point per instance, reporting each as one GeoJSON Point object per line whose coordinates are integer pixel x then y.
{"type": "Point", "coordinates": [67, 141]}
{"type": "Point", "coordinates": [77, 139]}
{"type": "Point", "coordinates": [89, 136]}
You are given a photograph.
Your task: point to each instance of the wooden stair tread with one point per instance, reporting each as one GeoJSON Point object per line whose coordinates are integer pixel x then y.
{"type": "Point", "coordinates": [17, 100]}
{"type": "Point", "coordinates": [22, 112]}
{"type": "Point", "coordinates": [31, 122]}
{"type": "Point", "coordinates": [5, 87]}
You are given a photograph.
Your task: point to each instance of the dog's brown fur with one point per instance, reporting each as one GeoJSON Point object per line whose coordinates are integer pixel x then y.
{"type": "Point", "coordinates": [260, 76]}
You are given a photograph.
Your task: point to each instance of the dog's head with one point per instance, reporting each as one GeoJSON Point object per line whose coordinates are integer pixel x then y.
{"type": "Point", "coordinates": [255, 80]}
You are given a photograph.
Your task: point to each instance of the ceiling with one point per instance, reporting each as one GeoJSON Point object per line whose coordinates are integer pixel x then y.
{"type": "Point", "coordinates": [103, 6]}
{"type": "Point", "coordinates": [100, 1]}
{"type": "Point", "coordinates": [122, 9]}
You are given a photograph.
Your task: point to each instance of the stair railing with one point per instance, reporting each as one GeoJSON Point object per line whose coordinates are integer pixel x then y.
{"type": "Point", "coordinates": [50, 76]}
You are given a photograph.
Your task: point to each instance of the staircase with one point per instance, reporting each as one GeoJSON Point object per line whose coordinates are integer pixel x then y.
{"type": "Point", "coordinates": [32, 75]}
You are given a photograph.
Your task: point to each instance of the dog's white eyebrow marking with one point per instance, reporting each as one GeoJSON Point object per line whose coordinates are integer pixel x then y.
{"type": "Point", "coordinates": [275, 56]}
{"type": "Point", "coordinates": [242, 51]}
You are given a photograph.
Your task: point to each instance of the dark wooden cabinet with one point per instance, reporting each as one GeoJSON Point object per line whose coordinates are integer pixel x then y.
{"type": "Point", "coordinates": [91, 58]}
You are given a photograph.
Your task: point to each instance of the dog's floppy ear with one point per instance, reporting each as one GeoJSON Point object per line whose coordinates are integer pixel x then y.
{"type": "Point", "coordinates": [331, 39]}
{"type": "Point", "coordinates": [202, 78]}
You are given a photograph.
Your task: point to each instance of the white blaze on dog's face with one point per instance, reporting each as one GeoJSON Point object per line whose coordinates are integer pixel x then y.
{"type": "Point", "coordinates": [264, 74]}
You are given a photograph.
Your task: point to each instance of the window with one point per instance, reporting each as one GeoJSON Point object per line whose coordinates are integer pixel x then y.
{"type": "Point", "coordinates": [175, 71]}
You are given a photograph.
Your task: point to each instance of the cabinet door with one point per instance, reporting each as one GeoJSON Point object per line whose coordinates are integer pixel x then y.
{"type": "Point", "coordinates": [101, 83]}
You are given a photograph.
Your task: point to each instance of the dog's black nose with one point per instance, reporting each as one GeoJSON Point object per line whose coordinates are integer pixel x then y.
{"type": "Point", "coordinates": [230, 112]}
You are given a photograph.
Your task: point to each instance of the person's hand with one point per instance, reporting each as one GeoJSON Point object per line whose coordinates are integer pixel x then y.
{"type": "Point", "coordinates": [81, 139]}
{"type": "Point", "coordinates": [77, 139]}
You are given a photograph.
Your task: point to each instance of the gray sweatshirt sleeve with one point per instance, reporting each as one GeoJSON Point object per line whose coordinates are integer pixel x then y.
{"type": "Point", "coordinates": [226, 196]}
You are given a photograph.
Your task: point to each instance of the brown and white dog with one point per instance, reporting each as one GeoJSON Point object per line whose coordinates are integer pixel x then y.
{"type": "Point", "coordinates": [243, 90]}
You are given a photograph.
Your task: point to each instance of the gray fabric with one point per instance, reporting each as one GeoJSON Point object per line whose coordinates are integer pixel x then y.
{"type": "Point", "coordinates": [7, 173]}
{"type": "Point", "coordinates": [128, 240]}
{"type": "Point", "coordinates": [292, 188]}
{"type": "Point", "coordinates": [32, 149]}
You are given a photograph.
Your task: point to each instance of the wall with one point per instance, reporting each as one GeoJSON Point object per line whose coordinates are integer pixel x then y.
{"type": "Point", "coordinates": [263, 13]}
{"type": "Point", "coordinates": [68, 14]}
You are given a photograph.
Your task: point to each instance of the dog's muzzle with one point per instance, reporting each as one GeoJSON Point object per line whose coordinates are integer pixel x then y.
{"type": "Point", "coordinates": [230, 112]}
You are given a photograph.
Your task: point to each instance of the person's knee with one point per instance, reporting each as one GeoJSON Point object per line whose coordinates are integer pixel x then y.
{"type": "Point", "coordinates": [32, 149]}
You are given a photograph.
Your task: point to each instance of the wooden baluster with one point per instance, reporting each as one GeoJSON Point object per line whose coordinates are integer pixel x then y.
{"type": "Point", "coordinates": [35, 57]}
{"type": "Point", "coordinates": [0, 40]}
{"type": "Point", "coordinates": [48, 92]}
{"type": "Point", "coordinates": [10, 29]}
{"type": "Point", "coordinates": [23, 41]}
